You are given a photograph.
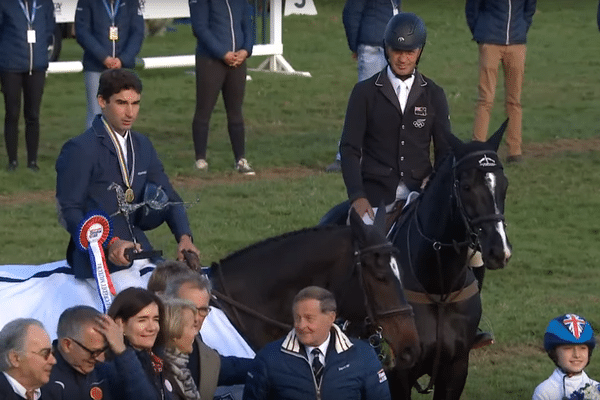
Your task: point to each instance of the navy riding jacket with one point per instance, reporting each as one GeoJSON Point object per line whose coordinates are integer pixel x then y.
{"type": "Point", "coordinates": [365, 21]}
{"type": "Point", "coordinates": [501, 22]}
{"type": "Point", "coordinates": [16, 54]}
{"type": "Point", "coordinates": [221, 26]}
{"type": "Point", "coordinates": [92, 23]}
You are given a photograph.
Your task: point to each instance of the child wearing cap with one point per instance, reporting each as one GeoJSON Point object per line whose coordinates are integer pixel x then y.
{"type": "Point", "coordinates": [569, 341]}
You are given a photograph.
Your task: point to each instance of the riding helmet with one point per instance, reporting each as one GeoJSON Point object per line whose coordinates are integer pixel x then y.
{"type": "Point", "coordinates": [405, 31]}
{"type": "Point", "coordinates": [568, 329]}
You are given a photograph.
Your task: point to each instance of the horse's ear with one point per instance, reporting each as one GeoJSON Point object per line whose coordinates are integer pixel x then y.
{"type": "Point", "coordinates": [496, 138]}
{"type": "Point", "coordinates": [357, 225]}
{"type": "Point", "coordinates": [379, 222]}
{"type": "Point", "coordinates": [455, 143]}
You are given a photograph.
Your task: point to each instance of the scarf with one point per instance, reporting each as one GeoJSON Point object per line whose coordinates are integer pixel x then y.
{"type": "Point", "coordinates": [157, 362]}
{"type": "Point", "coordinates": [177, 364]}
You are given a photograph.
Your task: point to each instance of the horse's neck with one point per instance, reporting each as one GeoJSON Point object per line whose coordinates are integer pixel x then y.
{"type": "Point", "coordinates": [440, 221]}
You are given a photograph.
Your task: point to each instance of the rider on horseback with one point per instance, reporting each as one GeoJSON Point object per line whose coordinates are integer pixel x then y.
{"type": "Point", "coordinates": [391, 120]}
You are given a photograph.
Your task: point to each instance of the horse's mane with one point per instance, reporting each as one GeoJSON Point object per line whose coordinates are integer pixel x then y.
{"type": "Point", "coordinates": [280, 238]}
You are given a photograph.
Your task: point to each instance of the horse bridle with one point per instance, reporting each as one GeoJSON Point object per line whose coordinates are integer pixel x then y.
{"type": "Point", "coordinates": [376, 340]}
{"type": "Point", "coordinates": [471, 223]}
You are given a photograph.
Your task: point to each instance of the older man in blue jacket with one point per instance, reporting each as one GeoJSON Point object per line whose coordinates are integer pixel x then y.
{"type": "Point", "coordinates": [111, 33]}
{"type": "Point", "coordinates": [316, 360]}
{"type": "Point", "coordinates": [500, 28]}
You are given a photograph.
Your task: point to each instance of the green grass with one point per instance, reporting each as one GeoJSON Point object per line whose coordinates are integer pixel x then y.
{"type": "Point", "coordinates": [293, 124]}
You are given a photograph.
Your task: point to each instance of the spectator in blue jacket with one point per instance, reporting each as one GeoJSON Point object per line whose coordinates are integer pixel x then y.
{"type": "Point", "coordinates": [365, 22]}
{"type": "Point", "coordinates": [111, 33]}
{"type": "Point", "coordinates": [84, 334]}
{"type": "Point", "coordinates": [26, 29]}
{"type": "Point", "coordinates": [316, 359]}
{"type": "Point", "coordinates": [225, 40]}
{"type": "Point", "coordinates": [500, 29]}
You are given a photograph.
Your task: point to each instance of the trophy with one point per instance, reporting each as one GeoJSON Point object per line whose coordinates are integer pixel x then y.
{"type": "Point", "coordinates": [155, 199]}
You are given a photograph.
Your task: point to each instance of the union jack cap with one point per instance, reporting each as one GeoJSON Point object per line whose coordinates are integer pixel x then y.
{"type": "Point", "coordinates": [569, 329]}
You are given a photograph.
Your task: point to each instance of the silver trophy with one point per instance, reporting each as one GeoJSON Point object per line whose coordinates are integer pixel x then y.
{"type": "Point", "coordinates": [155, 199]}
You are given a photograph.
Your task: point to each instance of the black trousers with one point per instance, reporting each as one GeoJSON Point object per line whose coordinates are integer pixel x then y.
{"type": "Point", "coordinates": [31, 87]}
{"type": "Point", "coordinates": [212, 77]}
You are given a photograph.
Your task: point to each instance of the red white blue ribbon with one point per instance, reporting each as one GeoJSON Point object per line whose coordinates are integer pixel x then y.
{"type": "Point", "coordinates": [94, 231]}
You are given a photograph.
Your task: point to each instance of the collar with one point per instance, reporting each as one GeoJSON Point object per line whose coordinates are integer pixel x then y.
{"type": "Point", "coordinates": [20, 389]}
{"type": "Point", "coordinates": [322, 348]}
{"type": "Point", "coordinates": [340, 340]}
{"type": "Point", "coordinates": [395, 79]}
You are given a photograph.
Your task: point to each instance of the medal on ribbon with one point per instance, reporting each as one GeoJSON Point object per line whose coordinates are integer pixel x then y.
{"type": "Point", "coordinates": [94, 231]}
{"type": "Point", "coordinates": [127, 177]}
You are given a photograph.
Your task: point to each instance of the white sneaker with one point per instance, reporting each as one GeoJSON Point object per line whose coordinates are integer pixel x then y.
{"type": "Point", "coordinates": [201, 165]}
{"type": "Point", "coordinates": [243, 167]}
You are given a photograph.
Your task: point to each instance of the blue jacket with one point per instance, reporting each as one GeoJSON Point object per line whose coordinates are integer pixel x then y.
{"type": "Point", "coordinates": [16, 54]}
{"type": "Point", "coordinates": [282, 371]}
{"type": "Point", "coordinates": [92, 23]}
{"type": "Point", "coordinates": [131, 372]}
{"type": "Point", "coordinates": [86, 166]}
{"type": "Point", "coordinates": [66, 383]}
{"type": "Point", "coordinates": [365, 21]}
{"type": "Point", "coordinates": [221, 26]}
{"type": "Point", "coordinates": [501, 22]}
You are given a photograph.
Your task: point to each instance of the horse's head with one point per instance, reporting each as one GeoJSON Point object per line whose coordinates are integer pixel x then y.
{"type": "Point", "coordinates": [386, 305]}
{"type": "Point", "coordinates": [480, 190]}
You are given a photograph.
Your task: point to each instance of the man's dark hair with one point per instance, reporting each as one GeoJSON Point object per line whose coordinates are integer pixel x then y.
{"type": "Point", "coordinates": [112, 81]}
{"type": "Point", "coordinates": [73, 319]}
{"type": "Point", "coordinates": [165, 271]}
{"type": "Point", "coordinates": [324, 296]}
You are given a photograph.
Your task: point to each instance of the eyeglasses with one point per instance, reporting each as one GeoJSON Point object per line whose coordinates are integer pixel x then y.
{"type": "Point", "coordinates": [203, 311]}
{"type": "Point", "coordinates": [92, 353]}
{"type": "Point", "coordinates": [44, 353]}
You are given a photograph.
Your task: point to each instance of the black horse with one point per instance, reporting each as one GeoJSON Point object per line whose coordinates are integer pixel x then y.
{"type": "Point", "coordinates": [460, 210]}
{"type": "Point", "coordinates": [256, 285]}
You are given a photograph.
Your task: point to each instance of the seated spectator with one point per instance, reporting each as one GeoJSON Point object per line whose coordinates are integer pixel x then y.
{"type": "Point", "coordinates": [140, 313]}
{"type": "Point", "coordinates": [180, 333]}
{"type": "Point", "coordinates": [569, 341]}
{"type": "Point", "coordinates": [163, 271]}
{"type": "Point", "coordinates": [79, 347]}
{"type": "Point", "coordinates": [25, 359]}
{"type": "Point", "coordinates": [208, 367]}
{"type": "Point", "coordinates": [316, 359]}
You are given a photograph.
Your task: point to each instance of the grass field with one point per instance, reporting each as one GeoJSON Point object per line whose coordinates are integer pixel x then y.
{"type": "Point", "coordinates": [293, 124]}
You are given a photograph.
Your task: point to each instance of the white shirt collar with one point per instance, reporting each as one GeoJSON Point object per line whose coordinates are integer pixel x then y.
{"type": "Point", "coordinates": [397, 83]}
{"type": "Point", "coordinates": [20, 389]}
{"type": "Point", "coordinates": [322, 347]}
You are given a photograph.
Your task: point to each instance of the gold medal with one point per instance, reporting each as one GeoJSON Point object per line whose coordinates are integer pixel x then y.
{"type": "Point", "coordinates": [129, 196]}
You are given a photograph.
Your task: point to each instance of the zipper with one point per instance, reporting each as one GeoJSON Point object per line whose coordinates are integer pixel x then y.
{"type": "Point", "coordinates": [231, 26]}
{"type": "Point", "coordinates": [508, 22]}
{"type": "Point", "coordinates": [317, 385]}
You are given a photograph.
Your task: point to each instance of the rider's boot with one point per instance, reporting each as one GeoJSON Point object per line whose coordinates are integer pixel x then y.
{"type": "Point", "coordinates": [482, 338]}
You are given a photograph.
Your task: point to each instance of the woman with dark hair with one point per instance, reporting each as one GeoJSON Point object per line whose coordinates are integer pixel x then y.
{"type": "Point", "coordinates": [140, 313]}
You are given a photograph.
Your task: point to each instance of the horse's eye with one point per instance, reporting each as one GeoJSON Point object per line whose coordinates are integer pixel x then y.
{"type": "Point", "coordinates": [466, 187]}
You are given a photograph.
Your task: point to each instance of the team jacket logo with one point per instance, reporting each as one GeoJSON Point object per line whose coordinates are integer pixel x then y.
{"type": "Point", "coordinates": [421, 111]}
{"type": "Point", "coordinates": [485, 161]}
{"type": "Point", "coordinates": [575, 324]}
{"type": "Point", "coordinates": [419, 123]}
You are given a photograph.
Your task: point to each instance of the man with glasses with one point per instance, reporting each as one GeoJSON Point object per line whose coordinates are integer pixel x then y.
{"type": "Point", "coordinates": [208, 368]}
{"type": "Point", "coordinates": [84, 334]}
{"type": "Point", "coordinates": [26, 359]}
